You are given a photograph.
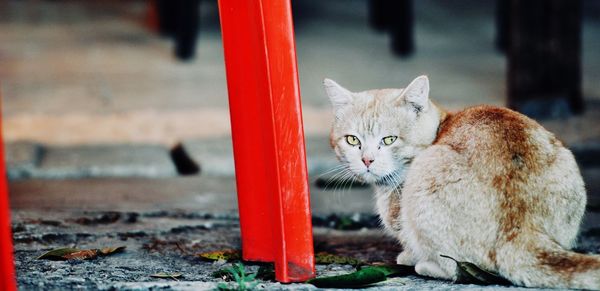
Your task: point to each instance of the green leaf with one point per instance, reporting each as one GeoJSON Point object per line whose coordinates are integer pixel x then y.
{"type": "Point", "coordinates": [250, 277]}
{"type": "Point", "coordinates": [357, 279]}
{"type": "Point", "coordinates": [393, 270]}
{"type": "Point", "coordinates": [235, 273]}
{"type": "Point", "coordinates": [325, 258]}
{"type": "Point", "coordinates": [165, 275]}
{"type": "Point", "coordinates": [227, 255]}
{"type": "Point", "coordinates": [243, 280]}
{"type": "Point", "coordinates": [469, 273]}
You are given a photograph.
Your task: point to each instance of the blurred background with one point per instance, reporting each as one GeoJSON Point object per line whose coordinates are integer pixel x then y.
{"type": "Point", "coordinates": [127, 92]}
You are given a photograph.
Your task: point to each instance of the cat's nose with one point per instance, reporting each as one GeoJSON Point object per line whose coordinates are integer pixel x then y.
{"type": "Point", "coordinates": [367, 161]}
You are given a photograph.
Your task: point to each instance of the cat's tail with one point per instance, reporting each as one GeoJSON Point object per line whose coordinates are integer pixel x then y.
{"type": "Point", "coordinates": [540, 262]}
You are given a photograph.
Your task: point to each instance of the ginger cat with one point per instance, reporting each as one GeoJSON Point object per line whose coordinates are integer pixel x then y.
{"type": "Point", "coordinates": [485, 185]}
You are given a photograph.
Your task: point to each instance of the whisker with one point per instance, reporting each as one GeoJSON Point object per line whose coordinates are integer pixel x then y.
{"type": "Point", "coordinates": [339, 177]}
{"type": "Point", "coordinates": [329, 171]}
{"type": "Point", "coordinates": [343, 181]}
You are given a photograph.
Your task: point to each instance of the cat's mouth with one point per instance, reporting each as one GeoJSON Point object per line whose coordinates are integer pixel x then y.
{"type": "Point", "coordinates": [390, 179]}
{"type": "Point", "coordinates": [368, 177]}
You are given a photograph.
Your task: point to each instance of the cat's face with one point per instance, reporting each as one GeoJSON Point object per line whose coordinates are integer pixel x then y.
{"type": "Point", "coordinates": [376, 133]}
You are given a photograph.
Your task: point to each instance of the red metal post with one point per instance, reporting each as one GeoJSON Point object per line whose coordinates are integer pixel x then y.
{"type": "Point", "coordinates": [7, 271]}
{"type": "Point", "coordinates": [268, 138]}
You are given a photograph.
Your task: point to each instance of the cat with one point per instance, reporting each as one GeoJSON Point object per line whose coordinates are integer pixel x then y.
{"type": "Point", "coordinates": [485, 185]}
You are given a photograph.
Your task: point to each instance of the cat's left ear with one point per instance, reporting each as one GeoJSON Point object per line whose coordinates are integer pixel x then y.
{"type": "Point", "coordinates": [338, 95]}
{"type": "Point", "coordinates": [416, 93]}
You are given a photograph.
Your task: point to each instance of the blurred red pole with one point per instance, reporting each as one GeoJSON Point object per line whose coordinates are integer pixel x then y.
{"type": "Point", "coordinates": [268, 138]}
{"type": "Point", "coordinates": [7, 271]}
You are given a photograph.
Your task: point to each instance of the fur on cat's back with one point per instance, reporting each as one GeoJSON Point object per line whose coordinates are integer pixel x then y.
{"type": "Point", "coordinates": [507, 188]}
{"type": "Point", "coordinates": [485, 185]}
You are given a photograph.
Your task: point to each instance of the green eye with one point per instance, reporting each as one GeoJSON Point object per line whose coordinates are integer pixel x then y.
{"type": "Point", "coordinates": [388, 140]}
{"type": "Point", "coordinates": [352, 140]}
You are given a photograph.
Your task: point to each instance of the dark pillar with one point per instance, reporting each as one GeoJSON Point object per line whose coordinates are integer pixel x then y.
{"type": "Point", "coordinates": [395, 16]}
{"type": "Point", "coordinates": [187, 24]}
{"type": "Point", "coordinates": [166, 17]}
{"type": "Point", "coordinates": [502, 25]}
{"type": "Point", "coordinates": [402, 26]}
{"type": "Point", "coordinates": [379, 14]}
{"type": "Point", "coordinates": [544, 57]}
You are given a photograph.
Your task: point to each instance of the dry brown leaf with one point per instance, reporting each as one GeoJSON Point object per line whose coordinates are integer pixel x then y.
{"type": "Point", "coordinates": [111, 250]}
{"type": "Point", "coordinates": [227, 255]}
{"type": "Point", "coordinates": [81, 255]}
{"type": "Point", "coordinates": [78, 254]}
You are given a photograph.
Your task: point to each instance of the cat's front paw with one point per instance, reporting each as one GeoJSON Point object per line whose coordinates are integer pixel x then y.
{"type": "Point", "coordinates": [432, 269]}
{"type": "Point", "coordinates": [406, 258]}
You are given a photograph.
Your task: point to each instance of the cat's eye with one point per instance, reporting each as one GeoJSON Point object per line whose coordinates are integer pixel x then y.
{"type": "Point", "coordinates": [388, 140]}
{"type": "Point", "coordinates": [352, 140]}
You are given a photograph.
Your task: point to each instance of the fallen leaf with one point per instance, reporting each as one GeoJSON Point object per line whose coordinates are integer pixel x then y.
{"type": "Point", "coordinates": [111, 250]}
{"type": "Point", "coordinates": [324, 258]}
{"type": "Point", "coordinates": [227, 255]}
{"type": "Point", "coordinates": [165, 275]}
{"type": "Point", "coordinates": [357, 279]}
{"type": "Point", "coordinates": [78, 254]}
{"type": "Point", "coordinates": [58, 254]}
{"type": "Point", "coordinates": [393, 270]}
{"type": "Point", "coordinates": [469, 273]}
{"type": "Point", "coordinates": [81, 255]}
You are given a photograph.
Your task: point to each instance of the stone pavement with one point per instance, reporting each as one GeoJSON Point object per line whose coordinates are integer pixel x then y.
{"type": "Point", "coordinates": [164, 218]}
{"type": "Point", "coordinates": [167, 241]}
{"type": "Point", "coordinates": [163, 222]}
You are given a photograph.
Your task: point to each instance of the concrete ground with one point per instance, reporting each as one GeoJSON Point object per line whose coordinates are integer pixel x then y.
{"type": "Point", "coordinates": [200, 217]}
{"type": "Point", "coordinates": [94, 104]}
{"type": "Point", "coordinates": [165, 222]}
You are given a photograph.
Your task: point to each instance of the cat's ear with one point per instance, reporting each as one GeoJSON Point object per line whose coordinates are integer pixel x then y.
{"type": "Point", "coordinates": [338, 95]}
{"type": "Point", "coordinates": [416, 93]}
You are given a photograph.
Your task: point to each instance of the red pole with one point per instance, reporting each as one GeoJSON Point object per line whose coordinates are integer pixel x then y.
{"type": "Point", "coordinates": [7, 271]}
{"type": "Point", "coordinates": [268, 138]}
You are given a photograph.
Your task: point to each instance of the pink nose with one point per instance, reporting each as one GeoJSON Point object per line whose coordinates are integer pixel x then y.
{"type": "Point", "coordinates": [367, 161]}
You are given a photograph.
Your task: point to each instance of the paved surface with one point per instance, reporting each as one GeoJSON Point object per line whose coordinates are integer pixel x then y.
{"type": "Point", "coordinates": [164, 222]}
{"type": "Point", "coordinates": [167, 241]}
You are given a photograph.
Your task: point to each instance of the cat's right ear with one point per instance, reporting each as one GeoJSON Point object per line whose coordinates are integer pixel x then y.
{"type": "Point", "coordinates": [338, 95]}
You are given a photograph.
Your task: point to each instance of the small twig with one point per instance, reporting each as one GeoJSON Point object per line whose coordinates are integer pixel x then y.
{"type": "Point", "coordinates": [181, 248]}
